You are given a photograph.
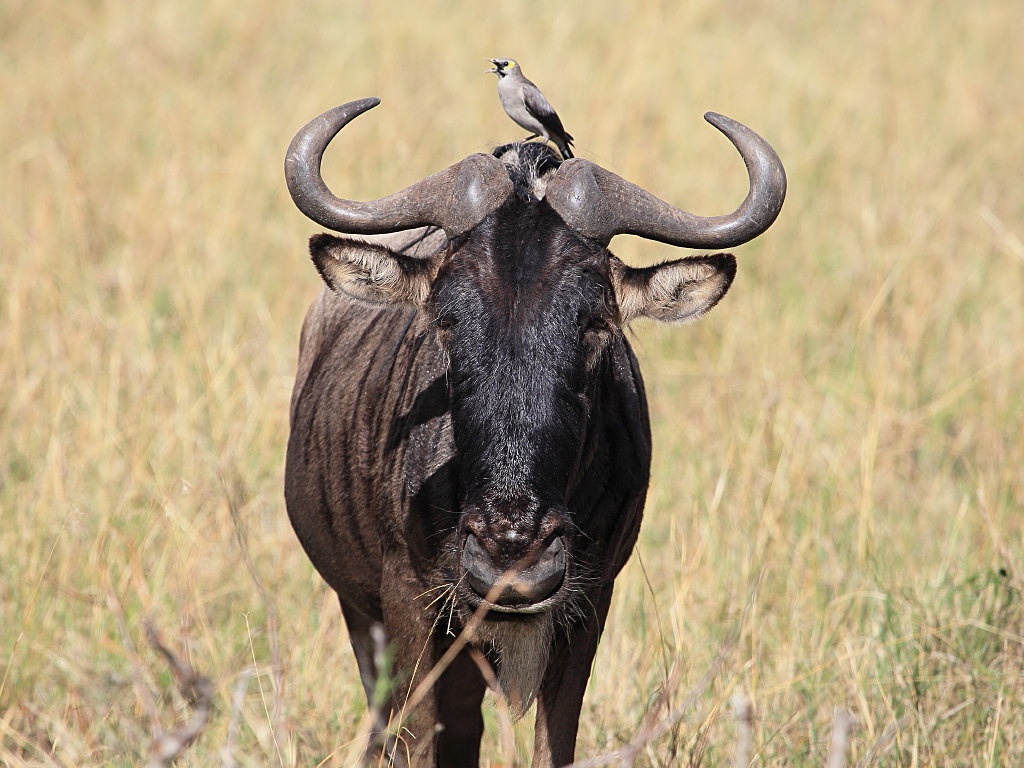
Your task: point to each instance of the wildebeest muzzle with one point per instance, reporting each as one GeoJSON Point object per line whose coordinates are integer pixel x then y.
{"type": "Point", "coordinates": [510, 568]}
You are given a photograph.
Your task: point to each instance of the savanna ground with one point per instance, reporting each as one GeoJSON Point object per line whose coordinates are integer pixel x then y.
{"type": "Point", "coordinates": [836, 518]}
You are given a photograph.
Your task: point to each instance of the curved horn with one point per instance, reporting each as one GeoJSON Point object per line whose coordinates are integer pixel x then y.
{"type": "Point", "coordinates": [599, 205]}
{"type": "Point", "coordinates": [455, 199]}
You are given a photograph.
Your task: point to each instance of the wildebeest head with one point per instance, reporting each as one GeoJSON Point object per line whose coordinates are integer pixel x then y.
{"type": "Point", "coordinates": [525, 300]}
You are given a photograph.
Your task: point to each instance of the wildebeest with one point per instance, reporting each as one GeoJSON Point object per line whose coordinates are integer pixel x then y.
{"type": "Point", "coordinates": [469, 430]}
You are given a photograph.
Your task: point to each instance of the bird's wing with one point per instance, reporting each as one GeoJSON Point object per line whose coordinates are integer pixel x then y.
{"type": "Point", "coordinates": [538, 106]}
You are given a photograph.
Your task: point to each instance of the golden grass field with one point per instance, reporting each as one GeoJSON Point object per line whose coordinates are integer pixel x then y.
{"type": "Point", "coordinates": [836, 518]}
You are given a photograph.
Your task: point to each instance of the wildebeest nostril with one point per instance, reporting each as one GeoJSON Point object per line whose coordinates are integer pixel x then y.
{"type": "Point", "coordinates": [521, 586]}
{"type": "Point", "coordinates": [480, 571]}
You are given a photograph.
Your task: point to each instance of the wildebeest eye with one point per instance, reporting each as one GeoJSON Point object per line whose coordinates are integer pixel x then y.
{"type": "Point", "coordinates": [594, 337]}
{"type": "Point", "coordinates": [595, 332]}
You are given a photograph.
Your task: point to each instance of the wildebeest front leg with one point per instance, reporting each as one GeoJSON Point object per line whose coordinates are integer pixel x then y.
{"type": "Point", "coordinates": [460, 692]}
{"type": "Point", "coordinates": [561, 694]}
{"type": "Point", "coordinates": [369, 644]}
{"type": "Point", "coordinates": [444, 726]}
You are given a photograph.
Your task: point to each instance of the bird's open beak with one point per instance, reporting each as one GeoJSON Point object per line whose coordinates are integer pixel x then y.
{"type": "Point", "coordinates": [493, 70]}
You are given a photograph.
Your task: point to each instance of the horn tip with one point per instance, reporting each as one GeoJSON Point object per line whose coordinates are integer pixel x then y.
{"type": "Point", "coordinates": [718, 120]}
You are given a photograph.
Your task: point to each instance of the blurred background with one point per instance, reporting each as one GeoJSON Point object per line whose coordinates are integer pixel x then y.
{"type": "Point", "coordinates": [836, 518]}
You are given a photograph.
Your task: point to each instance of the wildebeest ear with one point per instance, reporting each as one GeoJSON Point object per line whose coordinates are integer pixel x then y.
{"type": "Point", "coordinates": [673, 292]}
{"type": "Point", "coordinates": [370, 272]}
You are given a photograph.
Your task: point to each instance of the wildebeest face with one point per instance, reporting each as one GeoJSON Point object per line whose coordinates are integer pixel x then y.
{"type": "Point", "coordinates": [524, 310]}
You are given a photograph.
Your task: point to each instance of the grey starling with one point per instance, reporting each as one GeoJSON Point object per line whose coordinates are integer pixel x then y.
{"type": "Point", "coordinates": [526, 105]}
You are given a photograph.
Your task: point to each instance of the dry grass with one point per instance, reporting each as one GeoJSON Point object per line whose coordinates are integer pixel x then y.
{"type": "Point", "coordinates": [839, 479]}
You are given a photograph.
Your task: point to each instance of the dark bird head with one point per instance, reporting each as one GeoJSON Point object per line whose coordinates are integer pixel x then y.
{"type": "Point", "coordinates": [504, 67]}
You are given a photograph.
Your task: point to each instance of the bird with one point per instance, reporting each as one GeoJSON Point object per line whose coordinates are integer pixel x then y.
{"type": "Point", "coordinates": [526, 105]}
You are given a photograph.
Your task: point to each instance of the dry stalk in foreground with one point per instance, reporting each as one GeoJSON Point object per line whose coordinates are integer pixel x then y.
{"type": "Point", "coordinates": [198, 692]}
{"type": "Point", "coordinates": [842, 723]}
{"type": "Point", "coordinates": [743, 712]}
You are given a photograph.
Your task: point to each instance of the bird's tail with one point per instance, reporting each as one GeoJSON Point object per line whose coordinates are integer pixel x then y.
{"type": "Point", "coordinates": [564, 148]}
